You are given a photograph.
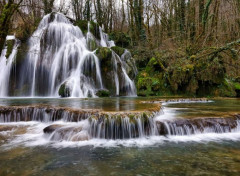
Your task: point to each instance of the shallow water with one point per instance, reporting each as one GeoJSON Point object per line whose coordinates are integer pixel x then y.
{"type": "Point", "coordinates": [106, 104]}
{"type": "Point", "coordinates": [31, 153]}
{"type": "Point", "coordinates": [168, 159]}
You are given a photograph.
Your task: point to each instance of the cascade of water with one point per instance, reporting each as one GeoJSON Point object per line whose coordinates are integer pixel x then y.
{"type": "Point", "coordinates": [129, 85]}
{"type": "Point", "coordinates": [105, 42]}
{"type": "Point", "coordinates": [88, 125]}
{"type": "Point", "coordinates": [60, 57]}
{"type": "Point", "coordinates": [6, 65]}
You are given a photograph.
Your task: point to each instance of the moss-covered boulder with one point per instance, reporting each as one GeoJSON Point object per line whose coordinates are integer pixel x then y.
{"type": "Point", "coordinates": [64, 90]}
{"type": "Point", "coordinates": [94, 27]}
{"type": "Point", "coordinates": [121, 39]}
{"type": "Point", "coordinates": [104, 53]}
{"type": "Point", "coordinates": [83, 25]}
{"type": "Point", "coordinates": [92, 44]}
{"type": "Point", "coordinates": [118, 50]}
{"type": "Point", "coordinates": [10, 45]}
{"type": "Point", "coordinates": [103, 93]}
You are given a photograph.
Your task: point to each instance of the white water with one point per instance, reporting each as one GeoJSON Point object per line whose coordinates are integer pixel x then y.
{"type": "Point", "coordinates": [59, 53]}
{"type": "Point", "coordinates": [89, 133]}
{"type": "Point", "coordinates": [6, 65]}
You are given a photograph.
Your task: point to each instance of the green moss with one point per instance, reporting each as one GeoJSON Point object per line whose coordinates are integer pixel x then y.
{"type": "Point", "coordinates": [237, 86]}
{"type": "Point", "coordinates": [10, 45]}
{"type": "Point", "coordinates": [64, 90]}
{"type": "Point", "coordinates": [118, 50]}
{"type": "Point", "coordinates": [104, 53]}
{"type": "Point", "coordinates": [121, 39]}
{"type": "Point", "coordinates": [94, 27]}
{"type": "Point", "coordinates": [83, 25]}
{"type": "Point", "coordinates": [92, 45]}
{"type": "Point", "coordinates": [103, 93]}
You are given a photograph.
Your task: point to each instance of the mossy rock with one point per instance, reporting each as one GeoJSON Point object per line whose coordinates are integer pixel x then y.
{"type": "Point", "coordinates": [10, 45]}
{"type": "Point", "coordinates": [121, 39]}
{"type": "Point", "coordinates": [103, 93]}
{"type": "Point", "coordinates": [104, 53]}
{"type": "Point", "coordinates": [154, 65]}
{"type": "Point", "coordinates": [83, 25]}
{"type": "Point", "coordinates": [64, 90]}
{"type": "Point", "coordinates": [118, 50]}
{"type": "Point", "coordinates": [92, 45]}
{"type": "Point", "coordinates": [94, 27]}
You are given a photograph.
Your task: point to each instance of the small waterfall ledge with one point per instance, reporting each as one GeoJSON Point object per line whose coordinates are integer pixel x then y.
{"type": "Point", "coordinates": [67, 124]}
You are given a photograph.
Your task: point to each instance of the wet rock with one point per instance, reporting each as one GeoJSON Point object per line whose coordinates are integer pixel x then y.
{"type": "Point", "coordinates": [194, 126]}
{"type": "Point", "coordinates": [64, 90]}
{"type": "Point", "coordinates": [69, 133]}
{"type": "Point", "coordinates": [94, 27]}
{"type": "Point", "coordinates": [6, 128]}
{"type": "Point", "coordinates": [10, 45]}
{"type": "Point", "coordinates": [103, 93]}
{"type": "Point", "coordinates": [51, 128]}
{"type": "Point", "coordinates": [118, 50]}
{"type": "Point", "coordinates": [104, 54]}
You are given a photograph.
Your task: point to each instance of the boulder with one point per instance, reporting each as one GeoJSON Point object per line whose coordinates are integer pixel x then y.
{"type": "Point", "coordinates": [51, 128]}
{"type": "Point", "coordinates": [103, 93]}
{"type": "Point", "coordinates": [64, 90]}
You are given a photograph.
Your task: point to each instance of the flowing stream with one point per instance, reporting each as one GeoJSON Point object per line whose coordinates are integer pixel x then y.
{"type": "Point", "coordinates": [66, 136]}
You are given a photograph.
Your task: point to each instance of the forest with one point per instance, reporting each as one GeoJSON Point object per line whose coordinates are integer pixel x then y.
{"type": "Point", "coordinates": [180, 47]}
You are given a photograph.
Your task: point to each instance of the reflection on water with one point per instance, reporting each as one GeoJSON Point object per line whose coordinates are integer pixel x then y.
{"type": "Point", "coordinates": [106, 104]}
{"type": "Point", "coordinates": [216, 108]}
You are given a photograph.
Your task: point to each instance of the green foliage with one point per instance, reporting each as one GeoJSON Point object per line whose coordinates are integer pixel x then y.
{"type": "Point", "coordinates": [237, 86]}
{"type": "Point", "coordinates": [200, 73]}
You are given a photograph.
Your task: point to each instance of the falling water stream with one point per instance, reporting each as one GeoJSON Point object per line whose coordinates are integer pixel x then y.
{"type": "Point", "coordinates": [102, 136]}
{"type": "Point", "coordinates": [60, 54]}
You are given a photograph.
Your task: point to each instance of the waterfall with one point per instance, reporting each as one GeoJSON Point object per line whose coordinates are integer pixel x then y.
{"type": "Point", "coordinates": [89, 124]}
{"type": "Point", "coordinates": [6, 64]}
{"type": "Point", "coordinates": [61, 58]}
